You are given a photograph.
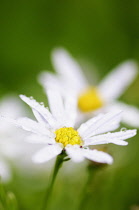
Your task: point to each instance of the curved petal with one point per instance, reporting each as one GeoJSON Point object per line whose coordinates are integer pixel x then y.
{"type": "Point", "coordinates": [84, 127]}
{"type": "Point", "coordinates": [130, 115]}
{"type": "Point", "coordinates": [30, 125]}
{"type": "Point", "coordinates": [97, 156]}
{"type": "Point", "coordinates": [115, 138]}
{"type": "Point", "coordinates": [98, 124]}
{"type": "Point", "coordinates": [47, 153]}
{"type": "Point", "coordinates": [44, 112]}
{"type": "Point", "coordinates": [117, 81]}
{"type": "Point", "coordinates": [40, 118]}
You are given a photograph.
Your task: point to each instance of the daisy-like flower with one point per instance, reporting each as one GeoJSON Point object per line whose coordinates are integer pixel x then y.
{"type": "Point", "coordinates": [55, 129]}
{"type": "Point", "coordinates": [92, 99]}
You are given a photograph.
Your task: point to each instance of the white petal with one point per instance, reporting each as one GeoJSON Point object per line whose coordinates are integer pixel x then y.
{"type": "Point", "coordinates": [67, 67]}
{"type": "Point", "coordinates": [56, 104]}
{"type": "Point", "coordinates": [70, 110]}
{"type": "Point", "coordinates": [97, 156]}
{"type": "Point", "coordinates": [113, 126]}
{"type": "Point", "coordinates": [85, 126]}
{"type": "Point", "coordinates": [47, 153]}
{"type": "Point", "coordinates": [51, 81]}
{"type": "Point", "coordinates": [56, 83]}
{"type": "Point", "coordinates": [5, 172]}
{"type": "Point", "coordinates": [39, 118]}
{"type": "Point", "coordinates": [12, 107]}
{"type": "Point", "coordinates": [64, 109]}
{"type": "Point", "coordinates": [44, 112]}
{"type": "Point", "coordinates": [130, 115]}
{"type": "Point", "coordinates": [39, 139]}
{"type": "Point", "coordinates": [118, 80]}
{"type": "Point", "coordinates": [75, 153]}
{"type": "Point", "coordinates": [115, 123]}
{"type": "Point", "coordinates": [98, 124]}
{"type": "Point", "coordinates": [115, 138]}
{"type": "Point", "coordinates": [29, 125]}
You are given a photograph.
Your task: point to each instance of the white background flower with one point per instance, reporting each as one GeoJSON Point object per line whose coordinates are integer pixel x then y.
{"type": "Point", "coordinates": [63, 115]}
{"type": "Point", "coordinates": [13, 148]}
{"type": "Point", "coordinates": [70, 80]}
{"type": "Point", "coordinates": [9, 135]}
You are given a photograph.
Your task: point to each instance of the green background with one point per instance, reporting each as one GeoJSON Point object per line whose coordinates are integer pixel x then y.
{"type": "Point", "coordinates": [97, 33]}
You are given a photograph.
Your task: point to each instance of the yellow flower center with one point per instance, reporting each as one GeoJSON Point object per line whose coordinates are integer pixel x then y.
{"type": "Point", "coordinates": [68, 136]}
{"type": "Point", "coordinates": [90, 100]}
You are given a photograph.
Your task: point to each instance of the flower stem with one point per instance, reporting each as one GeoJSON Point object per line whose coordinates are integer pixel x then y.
{"type": "Point", "coordinates": [92, 169]}
{"type": "Point", "coordinates": [59, 161]}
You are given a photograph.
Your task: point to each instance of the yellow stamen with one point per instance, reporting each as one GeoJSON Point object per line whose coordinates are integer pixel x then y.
{"type": "Point", "coordinates": [68, 136]}
{"type": "Point", "coordinates": [90, 100]}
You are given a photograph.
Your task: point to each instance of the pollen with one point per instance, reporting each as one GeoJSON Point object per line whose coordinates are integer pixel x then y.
{"type": "Point", "coordinates": [68, 136]}
{"type": "Point", "coordinates": [90, 100]}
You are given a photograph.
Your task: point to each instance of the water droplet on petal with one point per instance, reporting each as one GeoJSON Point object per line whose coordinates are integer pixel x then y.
{"type": "Point", "coordinates": [123, 129]}
{"type": "Point", "coordinates": [41, 103]}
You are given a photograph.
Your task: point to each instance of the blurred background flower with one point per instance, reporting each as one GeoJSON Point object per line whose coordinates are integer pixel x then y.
{"type": "Point", "coordinates": [14, 151]}
{"type": "Point", "coordinates": [10, 138]}
{"type": "Point", "coordinates": [99, 35]}
{"type": "Point", "coordinates": [92, 98]}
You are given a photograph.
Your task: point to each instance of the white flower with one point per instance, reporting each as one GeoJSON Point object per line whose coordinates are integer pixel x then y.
{"type": "Point", "coordinates": [56, 130]}
{"type": "Point", "coordinates": [12, 146]}
{"type": "Point", "coordinates": [94, 100]}
{"type": "Point", "coordinates": [5, 172]}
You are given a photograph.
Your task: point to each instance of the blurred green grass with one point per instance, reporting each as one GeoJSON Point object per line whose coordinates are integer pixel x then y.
{"type": "Point", "coordinates": [102, 33]}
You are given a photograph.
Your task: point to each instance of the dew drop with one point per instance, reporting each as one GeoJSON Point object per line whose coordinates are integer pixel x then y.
{"type": "Point", "coordinates": [41, 103]}
{"type": "Point", "coordinates": [123, 129]}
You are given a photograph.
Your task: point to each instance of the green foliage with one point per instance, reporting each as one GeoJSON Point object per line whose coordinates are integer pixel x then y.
{"type": "Point", "coordinates": [7, 199]}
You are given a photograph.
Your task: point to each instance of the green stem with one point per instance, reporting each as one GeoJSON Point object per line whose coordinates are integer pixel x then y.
{"type": "Point", "coordinates": [92, 169]}
{"type": "Point", "coordinates": [59, 161]}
